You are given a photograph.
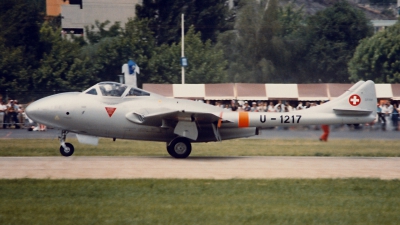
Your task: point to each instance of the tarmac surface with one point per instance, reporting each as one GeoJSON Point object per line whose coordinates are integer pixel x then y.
{"type": "Point", "coordinates": [205, 167]}
{"type": "Point", "coordinates": [343, 132]}
{"type": "Point", "coordinates": [198, 167]}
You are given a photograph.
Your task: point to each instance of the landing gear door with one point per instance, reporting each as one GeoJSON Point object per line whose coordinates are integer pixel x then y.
{"type": "Point", "coordinates": [216, 132]}
{"type": "Point", "coordinates": [86, 139]}
{"type": "Point", "coordinates": [187, 129]}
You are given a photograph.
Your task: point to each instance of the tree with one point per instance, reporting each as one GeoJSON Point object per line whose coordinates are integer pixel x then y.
{"type": "Point", "coordinates": [14, 71]}
{"type": "Point", "coordinates": [378, 58]}
{"type": "Point", "coordinates": [332, 36]}
{"type": "Point", "coordinates": [20, 47]}
{"type": "Point", "coordinates": [60, 68]}
{"type": "Point", "coordinates": [260, 47]}
{"type": "Point", "coordinates": [207, 17]}
{"type": "Point", "coordinates": [140, 39]}
{"type": "Point", "coordinates": [20, 23]}
{"type": "Point", "coordinates": [98, 31]}
{"type": "Point", "coordinates": [206, 64]}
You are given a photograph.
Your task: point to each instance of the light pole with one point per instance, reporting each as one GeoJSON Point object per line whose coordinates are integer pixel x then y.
{"type": "Point", "coordinates": [183, 58]}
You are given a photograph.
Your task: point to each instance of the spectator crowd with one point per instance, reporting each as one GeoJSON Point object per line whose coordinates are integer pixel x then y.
{"type": "Point", "coordinates": [12, 115]}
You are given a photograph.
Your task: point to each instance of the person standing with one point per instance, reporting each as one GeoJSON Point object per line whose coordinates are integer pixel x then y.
{"type": "Point", "coordinates": [3, 109]}
{"type": "Point", "coordinates": [325, 129]}
{"type": "Point", "coordinates": [325, 134]}
{"type": "Point", "coordinates": [381, 116]}
{"type": "Point", "coordinates": [246, 106]}
{"type": "Point", "coordinates": [387, 111]}
{"type": "Point", "coordinates": [271, 107]}
{"type": "Point", "coordinates": [234, 106]}
{"type": "Point", "coordinates": [254, 107]}
{"type": "Point", "coordinates": [12, 109]}
{"type": "Point", "coordinates": [263, 107]}
{"type": "Point", "coordinates": [395, 117]}
{"type": "Point", "coordinates": [279, 107]}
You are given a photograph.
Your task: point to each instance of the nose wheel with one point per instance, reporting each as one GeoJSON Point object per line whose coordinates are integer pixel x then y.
{"type": "Point", "coordinates": [66, 149]}
{"type": "Point", "coordinates": [179, 148]}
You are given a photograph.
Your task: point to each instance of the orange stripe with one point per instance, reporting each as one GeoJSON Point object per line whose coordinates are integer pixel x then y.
{"type": "Point", "coordinates": [220, 120]}
{"type": "Point", "coordinates": [243, 119]}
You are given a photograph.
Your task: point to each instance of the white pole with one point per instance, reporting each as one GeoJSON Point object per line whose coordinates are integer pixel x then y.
{"type": "Point", "coordinates": [398, 8]}
{"type": "Point", "coordinates": [183, 49]}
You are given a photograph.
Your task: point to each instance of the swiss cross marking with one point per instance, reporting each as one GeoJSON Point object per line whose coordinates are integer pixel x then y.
{"type": "Point", "coordinates": [110, 111]}
{"type": "Point", "coordinates": [354, 100]}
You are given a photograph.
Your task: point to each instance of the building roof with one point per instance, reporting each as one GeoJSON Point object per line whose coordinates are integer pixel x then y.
{"type": "Point", "coordinates": [220, 91]}
{"type": "Point", "coordinates": [396, 91]}
{"type": "Point", "coordinates": [282, 91]}
{"type": "Point", "coordinates": [313, 92]}
{"type": "Point", "coordinates": [246, 91]}
{"type": "Point", "coordinates": [191, 91]}
{"type": "Point", "coordinates": [383, 90]}
{"type": "Point", "coordinates": [251, 91]}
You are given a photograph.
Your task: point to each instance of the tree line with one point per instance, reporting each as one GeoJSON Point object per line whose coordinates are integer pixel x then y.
{"type": "Point", "coordinates": [257, 41]}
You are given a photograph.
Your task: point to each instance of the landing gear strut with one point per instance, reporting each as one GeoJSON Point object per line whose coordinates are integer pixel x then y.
{"type": "Point", "coordinates": [66, 149]}
{"type": "Point", "coordinates": [179, 148]}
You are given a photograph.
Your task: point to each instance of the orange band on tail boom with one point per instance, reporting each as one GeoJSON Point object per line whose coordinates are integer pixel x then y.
{"type": "Point", "coordinates": [243, 119]}
{"type": "Point", "coordinates": [220, 120]}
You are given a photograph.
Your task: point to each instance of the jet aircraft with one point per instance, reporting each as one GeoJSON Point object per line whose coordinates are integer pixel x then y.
{"type": "Point", "coordinates": [114, 110]}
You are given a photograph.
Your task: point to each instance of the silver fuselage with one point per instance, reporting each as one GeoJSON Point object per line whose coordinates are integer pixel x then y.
{"type": "Point", "coordinates": [125, 117]}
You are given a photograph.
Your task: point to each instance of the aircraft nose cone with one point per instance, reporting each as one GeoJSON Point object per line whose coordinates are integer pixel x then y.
{"type": "Point", "coordinates": [45, 110]}
{"type": "Point", "coordinates": [33, 110]}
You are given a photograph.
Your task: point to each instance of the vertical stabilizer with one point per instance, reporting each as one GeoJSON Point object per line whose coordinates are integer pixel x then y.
{"type": "Point", "coordinates": [360, 100]}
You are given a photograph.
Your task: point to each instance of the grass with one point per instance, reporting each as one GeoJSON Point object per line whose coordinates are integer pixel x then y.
{"type": "Point", "coordinates": [142, 201]}
{"type": "Point", "coordinates": [237, 147]}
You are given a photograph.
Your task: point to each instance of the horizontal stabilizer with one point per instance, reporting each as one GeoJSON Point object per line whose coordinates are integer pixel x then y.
{"type": "Point", "coordinates": [359, 112]}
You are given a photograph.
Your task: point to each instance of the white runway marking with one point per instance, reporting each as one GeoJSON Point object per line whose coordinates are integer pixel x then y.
{"type": "Point", "coordinates": [198, 167]}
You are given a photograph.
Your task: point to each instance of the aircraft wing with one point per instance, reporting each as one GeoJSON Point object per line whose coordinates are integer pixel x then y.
{"type": "Point", "coordinates": [146, 117]}
{"type": "Point", "coordinates": [184, 122]}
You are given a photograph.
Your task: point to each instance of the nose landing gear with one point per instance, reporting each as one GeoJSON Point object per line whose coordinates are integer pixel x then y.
{"type": "Point", "coordinates": [66, 149]}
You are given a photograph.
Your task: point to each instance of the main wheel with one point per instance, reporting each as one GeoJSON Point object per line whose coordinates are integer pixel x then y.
{"type": "Point", "coordinates": [179, 148]}
{"type": "Point", "coordinates": [67, 151]}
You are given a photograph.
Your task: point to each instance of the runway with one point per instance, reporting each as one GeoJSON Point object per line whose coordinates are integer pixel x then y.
{"type": "Point", "coordinates": [336, 133]}
{"type": "Point", "coordinates": [198, 167]}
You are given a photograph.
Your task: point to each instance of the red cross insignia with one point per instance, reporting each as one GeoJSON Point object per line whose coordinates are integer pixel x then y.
{"type": "Point", "coordinates": [354, 100]}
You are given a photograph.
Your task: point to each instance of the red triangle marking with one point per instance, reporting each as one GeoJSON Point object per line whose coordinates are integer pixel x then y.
{"type": "Point", "coordinates": [110, 111]}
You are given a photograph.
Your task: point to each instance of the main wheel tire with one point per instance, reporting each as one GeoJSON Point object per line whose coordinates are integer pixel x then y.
{"type": "Point", "coordinates": [67, 152]}
{"type": "Point", "coordinates": [179, 148]}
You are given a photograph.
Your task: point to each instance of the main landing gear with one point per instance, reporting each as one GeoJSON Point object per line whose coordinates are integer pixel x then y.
{"type": "Point", "coordinates": [66, 149]}
{"type": "Point", "coordinates": [179, 148]}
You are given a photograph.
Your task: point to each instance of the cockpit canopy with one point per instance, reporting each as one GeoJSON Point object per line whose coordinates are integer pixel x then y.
{"type": "Point", "coordinates": [114, 89]}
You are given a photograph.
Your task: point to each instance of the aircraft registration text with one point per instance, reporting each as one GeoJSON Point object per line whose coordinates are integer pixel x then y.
{"type": "Point", "coordinates": [283, 118]}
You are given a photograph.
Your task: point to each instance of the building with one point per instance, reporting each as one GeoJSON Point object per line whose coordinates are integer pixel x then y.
{"type": "Point", "coordinates": [76, 14]}
{"type": "Point", "coordinates": [380, 25]}
{"type": "Point", "coordinates": [262, 92]}
{"type": "Point", "coordinates": [53, 7]}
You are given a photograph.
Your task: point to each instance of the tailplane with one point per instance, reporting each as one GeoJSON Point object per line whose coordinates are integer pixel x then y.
{"type": "Point", "coordinates": [359, 100]}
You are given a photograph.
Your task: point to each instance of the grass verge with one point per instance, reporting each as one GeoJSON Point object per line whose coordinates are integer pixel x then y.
{"type": "Point", "coordinates": [237, 147]}
{"type": "Point", "coordinates": [323, 201]}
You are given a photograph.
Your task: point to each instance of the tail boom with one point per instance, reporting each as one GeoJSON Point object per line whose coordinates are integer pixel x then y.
{"type": "Point", "coordinates": [357, 105]}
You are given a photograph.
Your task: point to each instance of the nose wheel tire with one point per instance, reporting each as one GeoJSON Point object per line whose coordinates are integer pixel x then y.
{"type": "Point", "coordinates": [179, 148]}
{"type": "Point", "coordinates": [68, 151]}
